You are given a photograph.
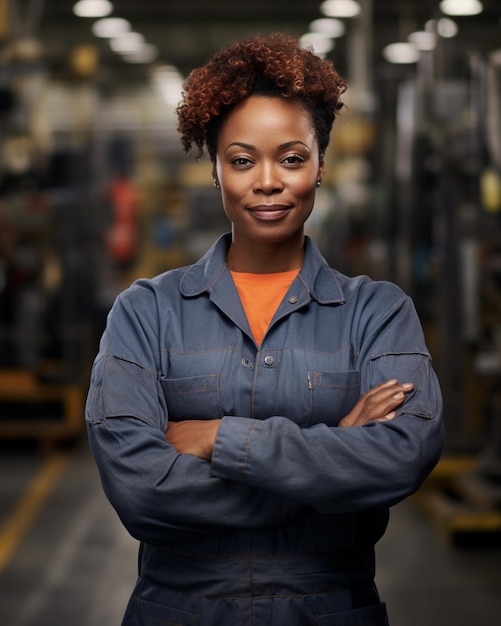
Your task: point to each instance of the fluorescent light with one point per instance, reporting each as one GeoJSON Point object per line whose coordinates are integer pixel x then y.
{"type": "Point", "coordinates": [128, 42]}
{"type": "Point", "coordinates": [447, 28]}
{"type": "Point", "coordinates": [110, 27]}
{"type": "Point", "coordinates": [461, 7]}
{"type": "Point", "coordinates": [329, 26]}
{"type": "Point", "coordinates": [423, 40]}
{"type": "Point", "coordinates": [146, 54]}
{"type": "Point", "coordinates": [401, 52]}
{"type": "Point", "coordinates": [169, 83]}
{"type": "Point", "coordinates": [92, 8]}
{"type": "Point", "coordinates": [320, 43]}
{"type": "Point", "coordinates": [340, 8]}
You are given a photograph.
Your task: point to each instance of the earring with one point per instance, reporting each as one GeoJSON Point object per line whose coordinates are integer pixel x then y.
{"type": "Point", "coordinates": [216, 184]}
{"type": "Point", "coordinates": [319, 182]}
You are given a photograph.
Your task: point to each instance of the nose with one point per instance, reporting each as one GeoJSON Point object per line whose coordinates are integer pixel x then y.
{"type": "Point", "coordinates": [268, 179]}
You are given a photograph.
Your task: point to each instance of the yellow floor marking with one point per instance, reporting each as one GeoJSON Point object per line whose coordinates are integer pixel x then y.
{"type": "Point", "coordinates": [28, 506]}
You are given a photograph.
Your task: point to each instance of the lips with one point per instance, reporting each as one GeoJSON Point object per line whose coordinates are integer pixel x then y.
{"type": "Point", "coordinates": [270, 212]}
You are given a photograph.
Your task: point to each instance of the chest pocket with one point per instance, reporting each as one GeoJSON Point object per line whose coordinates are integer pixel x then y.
{"type": "Point", "coordinates": [332, 395]}
{"type": "Point", "coordinates": [196, 397]}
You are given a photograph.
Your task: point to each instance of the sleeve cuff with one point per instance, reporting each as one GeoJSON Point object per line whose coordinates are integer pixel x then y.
{"type": "Point", "coordinates": [231, 450]}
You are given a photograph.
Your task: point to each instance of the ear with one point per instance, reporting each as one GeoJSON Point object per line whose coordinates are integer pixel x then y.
{"type": "Point", "coordinates": [321, 168]}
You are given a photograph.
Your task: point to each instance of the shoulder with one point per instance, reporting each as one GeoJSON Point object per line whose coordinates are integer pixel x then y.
{"type": "Point", "coordinates": [364, 287]}
{"type": "Point", "coordinates": [147, 297]}
{"type": "Point", "coordinates": [376, 302]}
{"type": "Point", "coordinates": [155, 287]}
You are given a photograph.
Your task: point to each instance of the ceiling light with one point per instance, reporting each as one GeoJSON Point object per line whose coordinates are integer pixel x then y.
{"type": "Point", "coordinates": [461, 7]}
{"type": "Point", "coordinates": [423, 40]}
{"type": "Point", "coordinates": [320, 43]}
{"type": "Point", "coordinates": [110, 27]}
{"type": "Point", "coordinates": [340, 8]}
{"type": "Point", "coordinates": [401, 53]}
{"type": "Point", "coordinates": [169, 83]}
{"type": "Point", "coordinates": [447, 28]}
{"type": "Point", "coordinates": [146, 54]}
{"type": "Point", "coordinates": [328, 26]}
{"type": "Point", "coordinates": [92, 8]}
{"type": "Point", "coordinates": [128, 42]}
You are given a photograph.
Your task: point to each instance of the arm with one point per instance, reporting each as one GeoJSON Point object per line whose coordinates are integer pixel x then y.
{"type": "Point", "coordinates": [198, 437]}
{"type": "Point", "coordinates": [338, 470]}
{"type": "Point", "coordinates": [160, 495]}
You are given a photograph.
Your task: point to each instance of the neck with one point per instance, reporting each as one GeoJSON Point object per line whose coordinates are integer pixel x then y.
{"type": "Point", "coordinates": [265, 258]}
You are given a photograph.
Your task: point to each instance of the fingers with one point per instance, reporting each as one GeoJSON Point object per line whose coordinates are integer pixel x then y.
{"type": "Point", "coordinates": [378, 404]}
{"type": "Point", "coordinates": [387, 417]}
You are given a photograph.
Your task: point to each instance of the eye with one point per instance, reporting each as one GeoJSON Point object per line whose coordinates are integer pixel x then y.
{"type": "Point", "coordinates": [241, 161]}
{"type": "Point", "coordinates": [293, 159]}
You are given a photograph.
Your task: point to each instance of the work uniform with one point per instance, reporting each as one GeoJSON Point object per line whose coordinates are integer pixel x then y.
{"type": "Point", "coordinates": [279, 528]}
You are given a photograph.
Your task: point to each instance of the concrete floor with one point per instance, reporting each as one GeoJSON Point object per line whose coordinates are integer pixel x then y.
{"type": "Point", "coordinates": [65, 559]}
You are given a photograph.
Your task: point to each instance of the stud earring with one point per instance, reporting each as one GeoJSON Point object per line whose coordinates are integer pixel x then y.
{"type": "Point", "coordinates": [216, 184]}
{"type": "Point", "coordinates": [319, 182]}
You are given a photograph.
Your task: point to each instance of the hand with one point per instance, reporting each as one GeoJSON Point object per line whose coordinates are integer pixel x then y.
{"type": "Point", "coordinates": [378, 404]}
{"type": "Point", "coordinates": [195, 437]}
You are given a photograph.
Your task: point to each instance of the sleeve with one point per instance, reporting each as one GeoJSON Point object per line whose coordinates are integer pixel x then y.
{"type": "Point", "coordinates": [161, 496]}
{"type": "Point", "coordinates": [340, 470]}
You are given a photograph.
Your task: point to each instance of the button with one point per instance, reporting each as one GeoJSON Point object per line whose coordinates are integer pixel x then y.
{"type": "Point", "coordinates": [292, 299]}
{"type": "Point", "coordinates": [269, 360]}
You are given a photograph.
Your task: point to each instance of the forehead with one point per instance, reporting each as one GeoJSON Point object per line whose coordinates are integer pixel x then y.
{"type": "Point", "coordinates": [263, 116]}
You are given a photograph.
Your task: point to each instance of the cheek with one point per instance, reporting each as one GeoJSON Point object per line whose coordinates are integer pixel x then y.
{"type": "Point", "coordinates": [303, 184]}
{"type": "Point", "coordinates": [233, 189]}
{"type": "Point", "coordinates": [306, 189]}
{"type": "Point", "coordinates": [229, 193]}
{"type": "Point", "coordinates": [231, 200]}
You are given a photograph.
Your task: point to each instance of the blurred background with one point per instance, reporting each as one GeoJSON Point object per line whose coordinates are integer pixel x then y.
{"type": "Point", "coordinates": [95, 192]}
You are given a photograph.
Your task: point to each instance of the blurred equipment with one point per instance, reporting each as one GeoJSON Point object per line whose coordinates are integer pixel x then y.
{"type": "Point", "coordinates": [447, 229]}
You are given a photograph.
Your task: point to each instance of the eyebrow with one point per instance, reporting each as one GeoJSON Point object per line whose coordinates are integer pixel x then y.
{"type": "Point", "coordinates": [282, 146]}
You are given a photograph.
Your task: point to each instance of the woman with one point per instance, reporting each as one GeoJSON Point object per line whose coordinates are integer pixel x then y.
{"type": "Point", "coordinates": [254, 415]}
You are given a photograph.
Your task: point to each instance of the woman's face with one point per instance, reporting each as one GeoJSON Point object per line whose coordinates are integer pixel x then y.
{"type": "Point", "coordinates": [267, 165]}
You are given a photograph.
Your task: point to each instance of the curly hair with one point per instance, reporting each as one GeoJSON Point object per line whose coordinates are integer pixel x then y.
{"type": "Point", "coordinates": [274, 66]}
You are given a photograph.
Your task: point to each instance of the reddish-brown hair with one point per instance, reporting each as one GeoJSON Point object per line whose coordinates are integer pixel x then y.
{"type": "Point", "coordinates": [274, 66]}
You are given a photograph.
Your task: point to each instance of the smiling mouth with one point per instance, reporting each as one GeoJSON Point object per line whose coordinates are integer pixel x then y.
{"type": "Point", "coordinates": [269, 212]}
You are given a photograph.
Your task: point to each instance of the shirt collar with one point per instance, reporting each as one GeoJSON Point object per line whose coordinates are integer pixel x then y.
{"type": "Point", "coordinates": [318, 278]}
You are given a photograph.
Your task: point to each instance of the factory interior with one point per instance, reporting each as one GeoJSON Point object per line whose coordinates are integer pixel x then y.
{"type": "Point", "coordinates": [96, 192]}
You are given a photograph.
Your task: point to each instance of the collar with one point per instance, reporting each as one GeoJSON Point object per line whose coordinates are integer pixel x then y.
{"type": "Point", "coordinates": [320, 281]}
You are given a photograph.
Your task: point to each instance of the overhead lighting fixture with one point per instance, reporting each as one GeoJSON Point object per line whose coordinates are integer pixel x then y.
{"type": "Point", "coordinates": [319, 42]}
{"type": "Point", "coordinates": [92, 8]}
{"type": "Point", "coordinates": [110, 27]}
{"type": "Point", "coordinates": [461, 7]}
{"type": "Point", "coordinates": [329, 26]}
{"type": "Point", "coordinates": [401, 52]}
{"type": "Point", "coordinates": [423, 40]}
{"type": "Point", "coordinates": [169, 83]}
{"type": "Point", "coordinates": [444, 27]}
{"type": "Point", "coordinates": [128, 42]}
{"type": "Point", "coordinates": [146, 54]}
{"type": "Point", "coordinates": [340, 8]}
{"type": "Point", "coordinates": [447, 28]}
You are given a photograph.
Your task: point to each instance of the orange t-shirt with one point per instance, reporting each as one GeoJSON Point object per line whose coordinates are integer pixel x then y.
{"type": "Point", "coordinates": [261, 295]}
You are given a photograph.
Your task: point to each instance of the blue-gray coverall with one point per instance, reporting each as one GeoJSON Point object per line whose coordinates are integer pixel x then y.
{"type": "Point", "coordinates": [279, 528]}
